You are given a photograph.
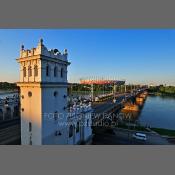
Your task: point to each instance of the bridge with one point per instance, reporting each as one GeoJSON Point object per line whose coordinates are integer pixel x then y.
{"type": "Point", "coordinates": [118, 96]}
{"type": "Point", "coordinates": [119, 101]}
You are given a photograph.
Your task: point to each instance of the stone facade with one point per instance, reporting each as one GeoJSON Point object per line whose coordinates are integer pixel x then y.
{"type": "Point", "coordinates": [45, 116]}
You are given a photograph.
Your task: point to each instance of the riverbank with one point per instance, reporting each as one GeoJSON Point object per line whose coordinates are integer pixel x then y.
{"type": "Point", "coordinates": [162, 90]}
{"type": "Point", "coordinates": [161, 94]}
{"type": "Point", "coordinates": [164, 132]}
{"type": "Point", "coordinates": [160, 131]}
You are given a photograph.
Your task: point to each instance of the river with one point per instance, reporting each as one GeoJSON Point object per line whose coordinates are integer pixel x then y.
{"type": "Point", "coordinates": [157, 111]}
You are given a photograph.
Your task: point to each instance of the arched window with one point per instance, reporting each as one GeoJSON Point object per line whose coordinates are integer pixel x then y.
{"type": "Point", "coordinates": [71, 130]}
{"type": "Point", "coordinates": [29, 71]}
{"type": "Point", "coordinates": [35, 70]}
{"type": "Point", "coordinates": [24, 71]}
{"type": "Point", "coordinates": [62, 72]}
{"type": "Point", "coordinates": [55, 71]}
{"type": "Point", "coordinates": [47, 70]}
{"type": "Point", "coordinates": [1, 114]}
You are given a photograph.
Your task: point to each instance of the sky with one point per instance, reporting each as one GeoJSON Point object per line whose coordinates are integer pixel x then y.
{"type": "Point", "coordinates": [138, 56]}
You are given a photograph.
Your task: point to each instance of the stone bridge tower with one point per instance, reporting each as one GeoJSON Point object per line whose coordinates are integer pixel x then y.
{"type": "Point", "coordinates": [43, 95]}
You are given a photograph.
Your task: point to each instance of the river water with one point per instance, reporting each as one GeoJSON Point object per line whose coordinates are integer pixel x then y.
{"type": "Point", "coordinates": [157, 111]}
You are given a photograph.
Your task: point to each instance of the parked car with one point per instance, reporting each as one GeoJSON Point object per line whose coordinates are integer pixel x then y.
{"type": "Point", "coordinates": [97, 99]}
{"type": "Point", "coordinates": [139, 136]}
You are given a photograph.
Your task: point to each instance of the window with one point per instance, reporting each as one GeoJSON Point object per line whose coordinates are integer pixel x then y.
{"type": "Point", "coordinates": [29, 71]}
{"type": "Point", "coordinates": [61, 72]}
{"type": "Point", "coordinates": [71, 129]}
{"type": "Point", "coordinates": [55, 94]}
{"type": "Point", "coordinates": [30, 126]}
{"type": "Point", "coordinates": [24, 71]}
{"type": "Point", "coordinates": [29, 94]}
{"type": "Point", "coordinates": [30, 142]}
{"type": "Point", "coordinates": [78, 127]}
{"type": "Point", "coordinates": [35, 70]}
{"type": "Point", "coordinates": [55, 115]}
{"type": "Point", "coordinates": [55, 71]}
{"type": "Point", "coordinates": [47, 70]}
{"type": "Point", "coordinates": [87, 122]}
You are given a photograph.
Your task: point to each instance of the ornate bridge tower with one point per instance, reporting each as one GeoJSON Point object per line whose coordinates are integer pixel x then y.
{"type": "Point", "coordinates": [43, 90]}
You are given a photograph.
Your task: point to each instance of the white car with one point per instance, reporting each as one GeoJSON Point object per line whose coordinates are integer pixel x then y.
{"type": "Point", "coordinates": [139, 136]}
{"type": "Point", "coordinates": [96, 99]}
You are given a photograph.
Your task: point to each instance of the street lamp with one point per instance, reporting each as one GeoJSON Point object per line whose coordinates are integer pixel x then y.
{"type": "Point", "coordinates": [114, 90]}
{"type": "Point", "coordinates": [129, 117]}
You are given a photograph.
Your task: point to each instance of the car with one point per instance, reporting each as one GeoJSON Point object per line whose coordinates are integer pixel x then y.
{"type": "Point", "coordinates": [139, 136]}
{"type": "Point", "coordinates": [97, 99]}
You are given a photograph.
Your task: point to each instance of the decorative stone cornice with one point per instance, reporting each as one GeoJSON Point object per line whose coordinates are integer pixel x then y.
{"type": "Point", "coordinates": [42, 84]}
{"type": "Point", "coordinates": [42, 50]}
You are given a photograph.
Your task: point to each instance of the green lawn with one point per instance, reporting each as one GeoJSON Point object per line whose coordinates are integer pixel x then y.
{"type": "Point", "coordinates": [161, 131]}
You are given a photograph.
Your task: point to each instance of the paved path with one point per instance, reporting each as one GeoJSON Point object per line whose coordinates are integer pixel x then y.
{"type": "Point", "coordinates": [152, 138]}
{"type": "Point", "coordinates": [116, 136]}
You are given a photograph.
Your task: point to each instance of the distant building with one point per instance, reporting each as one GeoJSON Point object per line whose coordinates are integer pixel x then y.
{"type": "Point", "coordinates": [9, 108]}
{"type": "Point", "coordinates": [45, 117]}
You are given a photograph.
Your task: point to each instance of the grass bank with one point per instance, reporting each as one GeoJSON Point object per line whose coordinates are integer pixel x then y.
{"type": "Point", "coordinates": [161, 94]}
{"type": "Point", "coordinates": [165, 132]}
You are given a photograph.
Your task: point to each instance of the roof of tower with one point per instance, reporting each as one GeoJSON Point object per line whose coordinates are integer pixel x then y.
{"type": "Point", "coordinates": [41, 49]}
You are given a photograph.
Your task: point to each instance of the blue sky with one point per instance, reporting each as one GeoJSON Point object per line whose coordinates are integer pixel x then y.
{"type": "Point", "coordinates": [139, 56]}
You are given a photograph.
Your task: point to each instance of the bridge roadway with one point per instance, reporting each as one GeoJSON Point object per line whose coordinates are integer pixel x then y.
{"type": "Point", "coordinates": [106, 106]}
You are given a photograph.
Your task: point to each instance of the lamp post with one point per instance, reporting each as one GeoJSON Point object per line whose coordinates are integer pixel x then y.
{"type": "Point", "coordinates": [92, 92]}
{"type": "Point", "coordinates": [114, 91]}
{"type": "Point", "coordinates": [129, 117]}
